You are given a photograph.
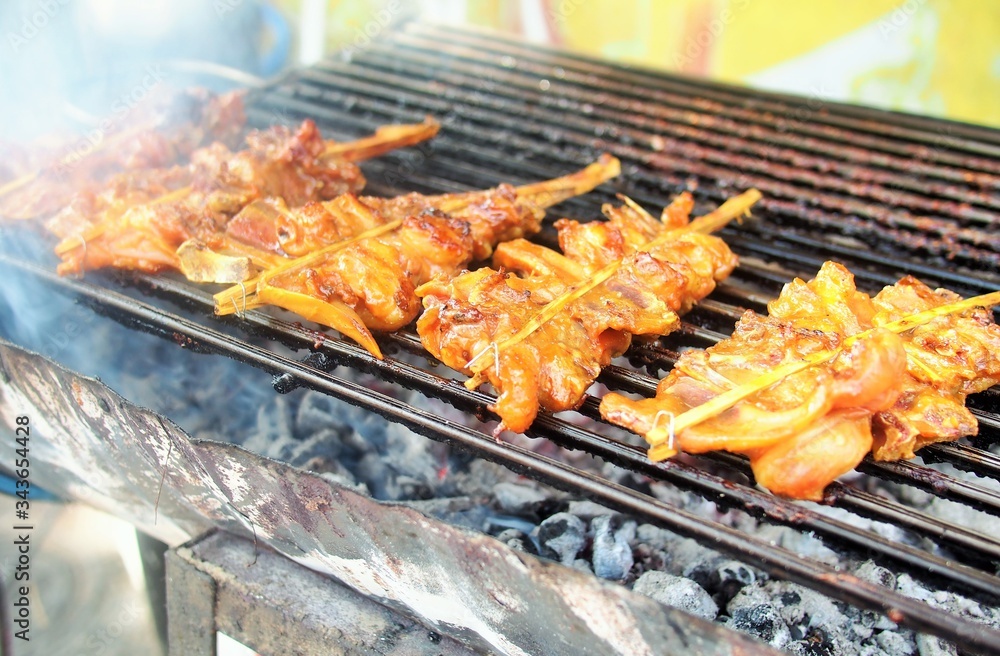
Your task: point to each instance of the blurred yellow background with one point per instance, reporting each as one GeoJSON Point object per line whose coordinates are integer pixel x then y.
{"type": "Point", "coordinates": [933, 57]}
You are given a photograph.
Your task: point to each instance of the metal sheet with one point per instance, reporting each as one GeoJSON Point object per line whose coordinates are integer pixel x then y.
{"type": "Point", "coordinates": [90, 444]}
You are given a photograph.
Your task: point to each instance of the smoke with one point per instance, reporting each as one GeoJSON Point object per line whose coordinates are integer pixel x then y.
{"type": "Point", "coordinates": [71, 65]}
{"type": "Point", "coordinates": [208, 396]}
{"type": "Point", "coordinates": [73, 72]}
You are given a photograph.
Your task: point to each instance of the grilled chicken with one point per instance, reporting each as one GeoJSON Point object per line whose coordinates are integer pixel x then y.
{"type": "Point", "coordinates": [367, 282]}
{"type": "Point", "coordinates": [863, 384]}
{"type": "Point", "coordinates": [541, 327]}
{"type": "Point", "coordinates": [175, 127]}
{"type": "Point", "coordinates": [140, 220]}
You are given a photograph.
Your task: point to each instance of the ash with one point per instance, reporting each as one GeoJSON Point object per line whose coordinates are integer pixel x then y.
{"type": "Point", "coordinates": [214, 398]}
{"type": "Point", "coordinates": [356, 448]}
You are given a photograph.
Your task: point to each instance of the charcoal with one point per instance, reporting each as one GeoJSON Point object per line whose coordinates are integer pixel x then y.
{"type": "Point", "coordinates": [410, 456]}
{"type": "Point", "coordinates": [588, 510]}
{"type": "Point", "coordinates": [612, 555]}
{"type": "Point", "coordinates": [804, 544]}
{"type": "Point", "coordinates": [497, 524]}
{"type": "Point", "coordinates": [357, 442]}
{"type": "Point", "coordinates": [476, 478]}
{"type": "Point", "coordinates": [734, 570]}
{"type": "Point", "coordinates": [626, 478]}
{"type": "Point", "coordinates": [275, 420]}
{"type": "Point", "coordinates": [582, 565]}
{"type": "Point", "coordinates": [647, 558]}
{"type": "Point", "coordinates": [948, 601]}
{"type": "Point", "coordinates": [760, 620]}
{"type": "Point", "coordinates": [702, 571]}
{"type": "Point", "coordinates": [685, 555]}
{"type": "Point", "coordinates": [561, 537]}
{"type": "Point", "coordinates": [869, 649]}
{"type": "Point", "coordinates": [345, 479]}
{"type": "Point", "coordinates": [518, 499]}
{"type": "Point", "coordinates": [368, 428]}
{"type": "Point", "coordinates": [654, 536]}
{"type": "Point", "coordinates": [818, 618]}
{"type": "Point", "coordinates": [374, 472]}
{"type": "Point", "coordinates": [873, 573]}
{"type": "Point", "coordinates": [517, 540]}
{"type": "Point", "coordinates": [458, 511]}
{"type": "Point", "coordinates": [893, 642]}
{"type": "Point", "coordinates": [677, 592]}
{"type": "Point", "coordinates": [869, 571]}
{"type": "Point", "coordinates": [963, 514]}
{"type": "Point", "coordinates": [412, 487]}
{"type": "Point", "coordinates": [928, 645]}
{"type": "Point", "coordinates": [728, 577]}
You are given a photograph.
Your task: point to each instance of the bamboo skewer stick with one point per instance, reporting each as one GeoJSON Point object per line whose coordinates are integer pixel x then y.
{"type": "Point", "coordinates": [386, 138]}
{"type": "Point", "coordinates": [80, 241]}
{"type": "Point", "coordinates": [27, 178]}
{"type": "Point", "coordinates": [658, 435]}
{"type": "Point", "coordinates": [249, 289]}
{"type": "Point", "coordinates": [708, 223]}
{"type": "Point", "coordinates": [541, 195]}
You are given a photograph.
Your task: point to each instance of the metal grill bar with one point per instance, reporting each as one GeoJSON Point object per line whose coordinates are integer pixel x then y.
{"type": "Point", "coordinates": [773, 145]}
{"type": "Point", "coordinates": [838, 213]}
{"type": "Point", "coordinates": [777, 561]}
{"type": "Point", "coordinates": [601, 78]}
{"type": "Point", "coordinates": [718, 99]}
{"type": "Point", "coordinates": [925, 479]}
{"type": "Point", "coordinates": [685, 140]}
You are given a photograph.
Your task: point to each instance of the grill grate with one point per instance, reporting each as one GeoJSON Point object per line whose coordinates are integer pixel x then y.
{"type": "Point", "coordinates": [777, 561]}
{"type": "Point", "coordinates": [838, 181]}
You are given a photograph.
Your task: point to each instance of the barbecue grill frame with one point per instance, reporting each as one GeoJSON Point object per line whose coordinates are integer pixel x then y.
{"type": "Point", "coordinates": [965, 147]}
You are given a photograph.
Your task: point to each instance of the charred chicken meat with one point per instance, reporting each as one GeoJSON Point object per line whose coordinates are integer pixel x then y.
{"type": "Point", "coordinates": [140, 219]}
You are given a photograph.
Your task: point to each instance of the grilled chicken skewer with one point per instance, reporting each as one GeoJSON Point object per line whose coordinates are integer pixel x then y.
{"type": "Point", "coordinates": [367, 281]}
{"type": "Point", "coordinates": [541, 331]}
{"type": "Point", "coordinates": [127, 226]}
{"type": "Point", "coordinates": [186, 121]}
{"type": "Point", "coordinates": [828, 376]}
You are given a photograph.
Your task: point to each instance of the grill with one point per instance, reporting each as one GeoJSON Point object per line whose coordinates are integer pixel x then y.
{"type": "Point", "coordinates": [885, 194]}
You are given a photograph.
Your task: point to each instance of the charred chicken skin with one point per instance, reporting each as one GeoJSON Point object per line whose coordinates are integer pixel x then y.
{"type": "Point", "coordinates": [868, 384]}
{"type": "Point", "coordinates": [367, 281]}
{"type": "Point", "coordinates": [140, 220]}
{"type": "Point", "coordinates": [540, 334]}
